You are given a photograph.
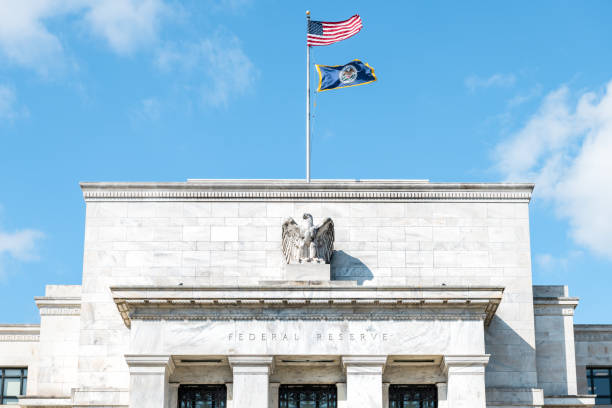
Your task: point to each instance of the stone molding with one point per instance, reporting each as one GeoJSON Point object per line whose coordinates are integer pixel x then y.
{"type": "Point", "coordinates": [299, 190]}
{"type": "Point", "coordinates": [555, 306]}
{"type": "Point", "coordinates": [569, 401]}
{"type": "Point", "coordinates": [251, 365]}
{"type": "Point", "coordinates": [515, 396]}
{"type": "Point", "coordinates": [593, 332]}
{"type": "Point", "coordinates": [19, 333]}
{"type": "Point", "coordinates": [306, 302]}
{"type": "Point", "coordinates": [58, 306]}
{"type": "Point", "coordinates": [43, 401]}
{"type": "Point", "coordinates": [464, 364]}
{"type": "Point", "coordinates": [149, 363]}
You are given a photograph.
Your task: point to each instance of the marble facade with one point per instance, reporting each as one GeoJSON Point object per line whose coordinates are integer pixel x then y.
{"type": "Point", "coordinates": [184, 283]}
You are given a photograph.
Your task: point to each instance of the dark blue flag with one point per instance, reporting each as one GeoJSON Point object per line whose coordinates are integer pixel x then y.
{"type": "Point", "coordinates": [341, 76]}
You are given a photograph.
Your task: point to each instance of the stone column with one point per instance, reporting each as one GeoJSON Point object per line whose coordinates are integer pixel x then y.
{"type": "Point", "coordinates": [385, 394]}
{"type": "Point", "coordinates": [149, 386]}
{"type": "Point", "coordinates": [466, 380]}
{"type": "Point", "coordinates": [273, 389]}
{"type": "Point", "coordinates": [554, 329]}
{"type": "Point", "coordinates": [173, 394]}
{"type": "Point", "coordinates": [341, 394]}
{"type": "Point", "coordinates": [364, 381]}
{"type": "Point", "coordinates": [442, 392]}
{"type": "Point", "coordinates": [229, 388]}
{"type": "Point", "coordinates": [251, 378]}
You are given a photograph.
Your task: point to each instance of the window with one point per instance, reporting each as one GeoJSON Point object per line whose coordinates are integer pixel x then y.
{"type": "Point", "coordinates": [598, 380]}
{"type": "Point", "coordinates": [307, 396]}
{"type": "Point", "coordinates": [413, 396]}
{"type": "Point", "coordinates": [202, 396]}
{"type": "Point", "coordinates": [12, 383]}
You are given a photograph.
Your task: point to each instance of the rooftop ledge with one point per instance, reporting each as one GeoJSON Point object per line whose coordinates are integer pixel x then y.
{"type": "Point", "coordinates": [311, 301]}
{"type": "Point", "coordinates": [300, 190]}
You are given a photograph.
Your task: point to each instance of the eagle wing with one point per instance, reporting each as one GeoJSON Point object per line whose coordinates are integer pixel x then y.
{"type": "Point", "coordinates": [324, 240]}
{"type": "Point", "coordinates": [291, 240]}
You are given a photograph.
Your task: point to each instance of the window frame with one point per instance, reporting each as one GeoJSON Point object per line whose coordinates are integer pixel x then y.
{"type": "Point", "coordinates": [591, 383]}
{"type": "Point", "coordinates": [331, 391]}
{"type": "Point", "coordinates": [397, 390]}
{"type": "Point", "coordinates": [23, 379]}
{"type": "Point", "coordinates": [189, 390]}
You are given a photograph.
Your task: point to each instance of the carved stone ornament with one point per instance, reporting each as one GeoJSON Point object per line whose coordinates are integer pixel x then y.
{"type": "Point", "coordinates": [306, 243]}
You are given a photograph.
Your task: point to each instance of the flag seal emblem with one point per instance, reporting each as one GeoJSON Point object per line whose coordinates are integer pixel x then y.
{"type": "Point", "coordinates": [348, 74]}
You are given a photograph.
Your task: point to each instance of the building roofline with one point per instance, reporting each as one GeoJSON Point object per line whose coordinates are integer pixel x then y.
{"type": "Point", "coordinates": [299, 190]}
{"type": "Point", "coordinates": [593, 327]}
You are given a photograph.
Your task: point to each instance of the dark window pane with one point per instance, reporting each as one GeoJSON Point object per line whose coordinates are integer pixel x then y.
{"type": "Point", "coordinates": [602, 400]}
{"type": "Point", "coordinates": [12, 372]}
{"type": "Point", "coordinates": [602, 386]}
{"type": "Point", "coordinates": [202, 396]}
{"type": "Point", "coordinates": [413, 396]}
{"type": "Point", "coordinates": [307, 396]}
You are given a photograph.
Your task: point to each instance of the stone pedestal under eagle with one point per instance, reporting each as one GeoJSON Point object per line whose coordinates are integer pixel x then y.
{"type": "Point", "coordinates": [306, 243]}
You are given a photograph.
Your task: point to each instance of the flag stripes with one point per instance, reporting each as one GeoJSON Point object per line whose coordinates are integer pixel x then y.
{"type": "Point", "coordinates": [325, 33]}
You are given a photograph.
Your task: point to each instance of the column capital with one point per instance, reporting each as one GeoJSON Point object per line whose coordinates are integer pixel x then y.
{"type": "Point", "coordinates": [253, 364]}
{"type": "Point", "coordinates": [468, 364]}
{"type": "Point", "coordinates": [152, 363]}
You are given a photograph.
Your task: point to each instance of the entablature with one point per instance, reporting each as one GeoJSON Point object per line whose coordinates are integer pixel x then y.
{"type": "Point", "coordinates": [306, 302]}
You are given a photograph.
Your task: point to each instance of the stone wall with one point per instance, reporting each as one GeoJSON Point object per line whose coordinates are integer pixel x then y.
{"type": "Point", "coordinates": [593, 348]}
{"type": "Point", "coordinates": [59, 340]}
{"type": "Point", "coordinates": [450, 238]}
{"type": "Point", "coordinates": [555, 354]}
{"type": "Point", "coordinates": [19, 348]}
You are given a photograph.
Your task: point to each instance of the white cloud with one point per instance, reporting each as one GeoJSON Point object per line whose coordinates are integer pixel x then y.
{"type": "Point", "coordinates": [20, 244]}
{"type": "Point", "coordinates": [26, 39]}
{"type": "Point", "coordinates": [7, 102]}
{"type": "Point", "coordinates": [9, 108]}
{"type": "Point", "coordinates": [566, 148]}
{"type": "Point", "coordinates": [474, 82]}
{"type": "Point", "coordinates": [126, 24]}
{"type": "Point", "coordinates": [549, 263]}
{"type": "Point", "coordinates": [522, 98]}
{"type": "Point", "coordinates": [226, 70]}
{"type": "Point", "coordinates": [148, 110]}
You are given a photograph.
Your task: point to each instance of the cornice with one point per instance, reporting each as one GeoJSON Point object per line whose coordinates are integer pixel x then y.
{"type": "Point", "coordinates": [19, 332]}
{"type": "Point", "coordinates": [58, 306]}
{"type": "Point", "coordinates": [467, 364]}
{"type": "Point", "coordinates": [593, 332]}
{"type": "Point", "coordinates": [150, 361]}
{"type": "Point", "coordinates": [306, 303]}
{"type": "Point", "coordinates": [555, 306]}
{"type": "Point", "coordinates": [299, 190]}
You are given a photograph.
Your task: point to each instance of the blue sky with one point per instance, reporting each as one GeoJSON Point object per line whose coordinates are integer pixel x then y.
{"type": "Point", "coordinates": [160, 90]}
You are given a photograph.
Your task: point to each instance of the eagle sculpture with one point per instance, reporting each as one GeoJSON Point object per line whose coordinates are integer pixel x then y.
{"type": "Point", "coordinates": [307, 243]}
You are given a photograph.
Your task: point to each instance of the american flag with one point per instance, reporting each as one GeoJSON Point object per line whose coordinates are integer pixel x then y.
{"type": "Point", "coordinates": [325, 33]}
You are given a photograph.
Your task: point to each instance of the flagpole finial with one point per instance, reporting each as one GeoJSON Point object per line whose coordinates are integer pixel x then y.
{"type": "Point", "coordinates": [307, 12]}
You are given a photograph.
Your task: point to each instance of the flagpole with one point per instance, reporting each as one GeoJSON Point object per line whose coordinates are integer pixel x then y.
{"type": "Point", "coordinates": [307, 101]}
